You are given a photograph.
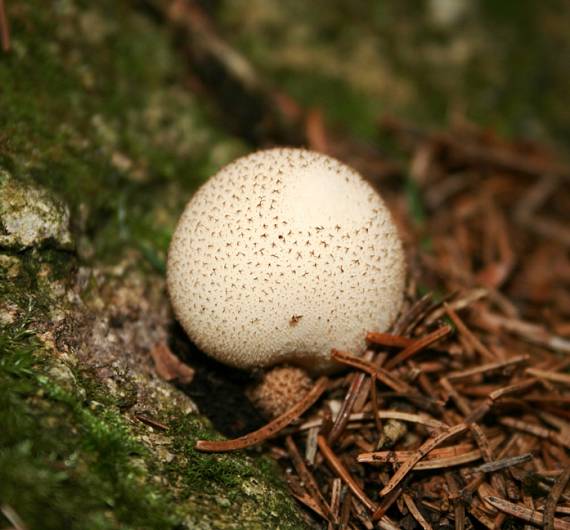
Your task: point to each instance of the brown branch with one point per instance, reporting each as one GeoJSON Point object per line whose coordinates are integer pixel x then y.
{"type": "Point", "coordinates": [343, 473]}
{"type": "Point", "coordinates": [335, 499]}
{"type": "Point", "coordinates": [416, 514]}
{"type": "Point", "coordinates": [424, 449]}
{"type": "Point", "coordinates": [308, 480]}
{"type": "Point", "coordinates": [383, 415]}
{"type": "Point", "coordinates": [470, 337]}
{"type": "Point", "coordinates": [458, 506]}
{"type": "Point", "coordinates": [535, 430]}
{"type": "Point", "coordinates": [4, 28]}
{"type": "Point", "coordinates": [486, 368]}
{"type": "Point", "coordinates": [503, 463]}
{"type": "Point", "coordinates": [418, 346]}
{"type": "Point", "coordinates": [269, 430]}
{"type": "Point", "coordinates": [556, 377]}
{"type": "Point", "coordinates": [346, 408]}
{"type": "Point", "coordinates": [496, 157]}
{"type": "Point", "coordinates": [454, 455]}
{"type": "Point", "coordinates": [552, 500]}
{"type": "Point", "coordinates": [388, 340]}
{"type": "Point", "coordinates": [522, 512]}
{"type": "Point", "coordinates": [382, 375]}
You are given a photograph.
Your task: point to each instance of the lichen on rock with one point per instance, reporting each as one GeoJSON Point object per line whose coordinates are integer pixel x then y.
{"type": "Point", "coordinates": [31, 217]}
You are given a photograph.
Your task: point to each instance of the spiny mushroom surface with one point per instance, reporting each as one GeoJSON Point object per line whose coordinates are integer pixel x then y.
{"type": "Point", "coordinates": [281, 256]}
{"type": "Point", "coordinates": [280, 388]}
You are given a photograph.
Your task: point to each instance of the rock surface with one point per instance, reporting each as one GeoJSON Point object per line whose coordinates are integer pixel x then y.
{"type": "Point", "coordinates": [31, 217]}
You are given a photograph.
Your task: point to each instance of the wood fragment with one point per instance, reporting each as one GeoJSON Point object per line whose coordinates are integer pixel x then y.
{"type": "Point", "coordinates": [335, 500]}
{"type": "Point", "coordinates": [416, 514]}
{"type": "Point", "coordinates": [12, 516]}
{"type": "Point", "coordinates": [536, 430]}
{"type": "Point", "coordinates": [4, 28]}
{"type": "Point", "coordinates": [346, 407]}
{"type": "Point", "coordinates": [460, 402]}
{"type": "Point", "coordinates": [343, 473]}
{"type": "Point", "coordinates": [562, 425]}
{"type": "Point", "coordinates": [408, 321]}
{"type": "Point", "coordinates": [387, 502]}
{"type": "Point", "coordinates": [309, 481]}
{"type": "Point", "coordinates": [476, 511]}
{"type": "Point", "coordinates": [511, 389]}
{"type": "Point", "coordinates": [382, 375]}
{"type": "Point", "coordinates": [316, 131]}
{"type": "Point", "coordinates": [471, 338]}
{"type": "Point", "coordinates": [530, 331]}
{"type": "Point", "coordinates": [527, 208]}
{"type": "Point", "coordinates": [486, 368]}
{"type": "Point", "coordinates": [550, 376]}
{"type": "Point", "coordinates": [496, 157]}
{"type": "Point", "coordinates": [383, 415]}
{"type": "Point", "coordinates": [458, 506]}
{"type": "Point", "coordinates": [465, 300]}
{"type": "Point", "coordinates": [311, 445]}
{"type": "Point", "coordinates": [424, 449]}
{"type": "Point", "coordinates": [438, 458]}
{"type": "Point", "coordinates": [559, 509]}
{"type": "Point", "coordinates": [529, 503]}
{"type": "Point", "coordinates": [483, 408]}
{"type": "Point", "coordinates": [169, 367]}
{"type": "Point", "coordinates": [504, 463]}
{"type": "Point", "coordinates": [345, 509]}
{"type": "Point", "coordinates": [362, 515]}
{"type": "Point", "coordinates": [522, 512]}
{"type": "Point", "coordinates": [418, 346]}
{"type": "Point", "coordinates": [552, 500]}
{"type": "Point", "coordinates": [547, 399]}
{"type": "Point", "coordinates": [304, 498]}
{"type": "Point", "coordinates": [388, 340]}
{"type": "Point", "coordinates": [271, 429]}
{"type": "Point", "coordinates": [143, 418]}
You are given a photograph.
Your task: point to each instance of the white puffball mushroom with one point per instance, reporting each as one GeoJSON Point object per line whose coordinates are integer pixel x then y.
{"type": "Point", "coordinates": [281, 256]}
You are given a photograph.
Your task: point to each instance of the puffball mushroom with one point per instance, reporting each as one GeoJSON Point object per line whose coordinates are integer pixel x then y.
{"type": "Point", "coordinates": [280, 388]}
{"type": "Point", "coordinates": [281, 256]}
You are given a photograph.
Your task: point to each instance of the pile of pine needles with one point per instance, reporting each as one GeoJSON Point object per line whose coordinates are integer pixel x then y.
{"type": "Point", "coordinates": [459, 417]}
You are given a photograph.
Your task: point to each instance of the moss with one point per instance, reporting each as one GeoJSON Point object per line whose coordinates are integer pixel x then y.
{"type": "Point", "coordinates": [63, 464]}
{"type": "Point", "coordinates": [500, 63]}
{"type": "Point", "coordinates": [102, 122]}
{"type": "Point", "coordinates": [245, 480]}
{"type": "Point", "coordinates": [31, 217]}
{"type": "Point", "coordinates": [93, 110]}
{"type": "Point", "coordinates": [342, 103]}
{"type": "Point", "coordinates": [69, 461]}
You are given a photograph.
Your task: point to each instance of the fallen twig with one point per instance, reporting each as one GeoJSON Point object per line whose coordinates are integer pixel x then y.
{"type": "Point", "coordinates": [271, 429]}
{"type": "Point", "coordinates": [524, 513]}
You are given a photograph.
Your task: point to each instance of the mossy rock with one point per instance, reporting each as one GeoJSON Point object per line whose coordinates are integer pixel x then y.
{"type": "Point", "coordinates": [31, 217]}
{"type": "Point", "coordinates": [100, 147]}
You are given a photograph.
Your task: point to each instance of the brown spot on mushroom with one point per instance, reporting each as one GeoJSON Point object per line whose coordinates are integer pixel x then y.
{"type": "Point", "coordinates": [294, 320]}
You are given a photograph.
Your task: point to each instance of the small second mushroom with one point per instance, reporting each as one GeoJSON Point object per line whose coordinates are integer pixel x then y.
{"type": "Point", "coordinates": [281, 256]}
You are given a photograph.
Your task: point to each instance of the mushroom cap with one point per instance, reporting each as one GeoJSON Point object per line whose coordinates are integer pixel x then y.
{"type": "Point", "coordinates": [281, 256]}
